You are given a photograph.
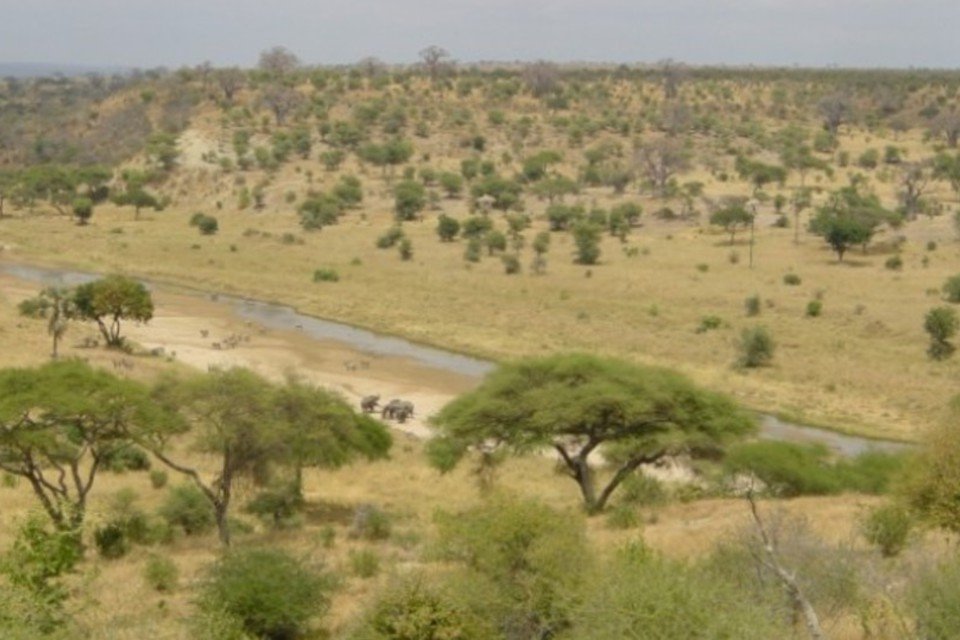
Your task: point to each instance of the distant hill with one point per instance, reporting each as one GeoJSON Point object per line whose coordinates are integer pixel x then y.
{"type": "Point", "coordinates": [41, 69]}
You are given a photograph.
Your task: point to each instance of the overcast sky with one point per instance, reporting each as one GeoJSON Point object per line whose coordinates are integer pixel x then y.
{"type": "Point", "coordinates": [151, 33]}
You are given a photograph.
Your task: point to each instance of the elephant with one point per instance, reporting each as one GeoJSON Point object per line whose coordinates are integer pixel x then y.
{"type": "Point", "coordinates": [397, 409]}
{"type": "Point", "coordinates": [369, 403]}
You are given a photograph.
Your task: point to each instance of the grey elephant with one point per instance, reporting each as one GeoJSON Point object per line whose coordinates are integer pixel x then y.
{"type": "Point", "coordinates": [399, 410]}
{"type": "Point", "coordinates": [369, 403]}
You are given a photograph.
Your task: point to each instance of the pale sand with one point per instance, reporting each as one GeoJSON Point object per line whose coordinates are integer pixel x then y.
{"type": "Point", "coordinates": [177, 327]}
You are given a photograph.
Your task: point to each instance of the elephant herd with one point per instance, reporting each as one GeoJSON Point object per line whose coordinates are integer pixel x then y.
{"type": "Point", "coordinates": [396, 409]}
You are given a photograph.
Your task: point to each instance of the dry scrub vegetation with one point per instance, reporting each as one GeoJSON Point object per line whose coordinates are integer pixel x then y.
{"type": "Point", "coordinates": [282, 183]}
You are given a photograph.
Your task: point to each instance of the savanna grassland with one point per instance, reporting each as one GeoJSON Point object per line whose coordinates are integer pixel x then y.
{"type": "Point", "coordinates": [651, 214]}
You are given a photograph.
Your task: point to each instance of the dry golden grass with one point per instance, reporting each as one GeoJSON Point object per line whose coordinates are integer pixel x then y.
{"type": "Point", "coordinates": [860, 367]}
{"type": "Point", "coordinates": [856, 368]}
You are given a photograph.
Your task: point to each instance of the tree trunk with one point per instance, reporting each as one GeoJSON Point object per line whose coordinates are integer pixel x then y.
{"type": "Point", "coordinates": [223, 524]}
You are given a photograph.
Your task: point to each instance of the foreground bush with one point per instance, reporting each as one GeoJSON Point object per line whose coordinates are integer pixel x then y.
{"type": "Point", "coordinates": [269, 592]}
{"type": "Point", "coordinates": [523, 564]}
{"type": "Point", "coordinates": [644, 597]}
{"type": "Point", "coordinates": [186, 507]}
{"type": "Point", "coordinates": [412, 610]}
{"type": "Point", "coordinates": [789, 469]}
{"type": "Point", "coordinates": [936, 607]}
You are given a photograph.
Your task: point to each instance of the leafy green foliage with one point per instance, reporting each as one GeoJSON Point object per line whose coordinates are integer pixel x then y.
{"type": "Point", "coordinates": [575, 403]}
{"type": "Point", "coordinates": [58, 420]}
{"type": "Point", "coordinates": [111, 299]}
{"type": "Point", "coordinates": [410, 198]}
{"type": "Point", "coordinates": [888, 527]}
{"type": "Point", "coordinates": [756, 347]}
{"type": "Point", "coordinates": [732, 218]}
{"type": "Point", "coordinates": [187, 508]}
{"type": "Point", "coordinates": [641, 596]}
{"type": "Point", "coordinates": [272, 594]}
{"type": "Point", "coordinates": [447, 228]}
{"type": "Point", "coordinates": [941, 324]}
{"type": "Point", "coordinates": [522, 563]}
{"type": "Point", "coordinates": [161, 573]}
{"type": "Point", "coordinates": [789, 469]}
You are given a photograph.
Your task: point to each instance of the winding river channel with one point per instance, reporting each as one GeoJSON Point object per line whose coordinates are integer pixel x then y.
{"type": "Point", "coordinates": [278, 316]}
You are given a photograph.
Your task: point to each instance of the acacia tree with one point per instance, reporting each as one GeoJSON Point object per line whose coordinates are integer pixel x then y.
{"type": "Point", "coordinates": [577, 404]}
{"type": "Point", "coordinates": [230, 81]}
{"type": "Point", "coordinates": [281, 101]}
{"type": "Point", "coordinates": [850, 218]}
{"type": "Point", "coordinates": [278, 61]}
{"type": "Point", "coordinates": [660, 160]}
{"type": "Point", "coordinates": [56, 306]}
{"type": "Point", "coordinates": [252, 426]}
{"type": "Point", "coordinates": [322, 430]}
{"type": "Point", "coordinates": [59, 421]}
{"type": "Point", "coordinates": [109, 300]}
{"type": "Point", "coordinates": [731, 218]}
{"type": "Point", "coordinates": [435, 60]}
{"type": "Point", "coordinates": [230, 415]}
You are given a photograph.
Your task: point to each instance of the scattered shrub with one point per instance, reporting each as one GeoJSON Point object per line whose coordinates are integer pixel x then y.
{"type": "Point", "coordinates": [364, 563]}
{"type": "Point", "coordinates": [326, 275]}
{"type": "Point", "coordinates": [894, 263]}
{"type": "Point", "coordinates": [158, 478]}
{"type": "Point", "coordinates": [791, 279]}
{"type": "Point", "coordinates": [187, 508]}
{"type": "Point", "coordinates": [272, 594]}
{"type": "Point", "coordinates": [933, 599]}
{"type": "Point", "coordinates": [708, 323]}
{"type": "Point", "coordinates": [752, 305]}
{"type": "Point", "coordinates": [161, 573]}
{"type": "Point", "coordinates": [110, 541]}
{"type": "Point", "coordinates": [415, 611]}
{"type": "Point", "coordinates": [390, 237]}
{"type": "Point", "coordinates": [756, 347]}
{"type": "Point", "coordinates": [888, 527]}
{"type": "Point", "coordinates": [370, 523]}
{"type": "Point", "coordinates": [814, 308]}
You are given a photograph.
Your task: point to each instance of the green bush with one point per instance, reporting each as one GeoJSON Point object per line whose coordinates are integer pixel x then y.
{"type": "Point", "coordinates": [110, 541]}
{"type": "Point", "coordinates": [405, 249]}
{"type": "Point", "coordinates": [271, 593]}
{"type": "Point", "coordinates": [791, 279]}
{"type": "Point", "coordinates": [935, 602]}
{"type": "Point", "coordinates": [640, 596]}
{"type": "Point", "coordinates": [364, 563]}
{"type": "Point", "coordinates": [786, 468]}
{"type": "Point", "coordinates": [158, 478]}
{"type": "Point", "coordinates": [941, 324]}
{"type": "Point", "coordinates": [370, 523]}
{"type": "Point", "coordinates": [756, 347]}
{"type": "Point", "coordinates": [161, 573]}
{"type": "Point", "coordinates": [390, 237]}
{"type": "Point", "coordinates": [522, 563]}
{"type": "Point", "coordinates": [125, 457]}
{"type": "Point", "coordinates": [623, 516]}
{"type": "Point", "coordinates": [511, 263]}
{"type": "Point", "coordinates": [894, 263]}
{"type": "Point", "coordinates": [791, 469]}
{"type": "Point", "coordinates": [752, 305]}
{"type": "Point", "coordinates": [708, 323]}
{"type": "Point", "coordinates": [888, 527]}
{"type": "Point", "coordinates": [277, 505]}
{"type": "Point", "coordinates": [643, 491]}
{"type": "Point", "coordinates": [326, 275]}
{"type": "Point", "coordinates": [187, 508]}
{"type": "Point", "coordinates": [412, 610]}
{"type": "Point", "coordinates": [951, 289]}
{"type": "Point", "coordinates": [814, 308]}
